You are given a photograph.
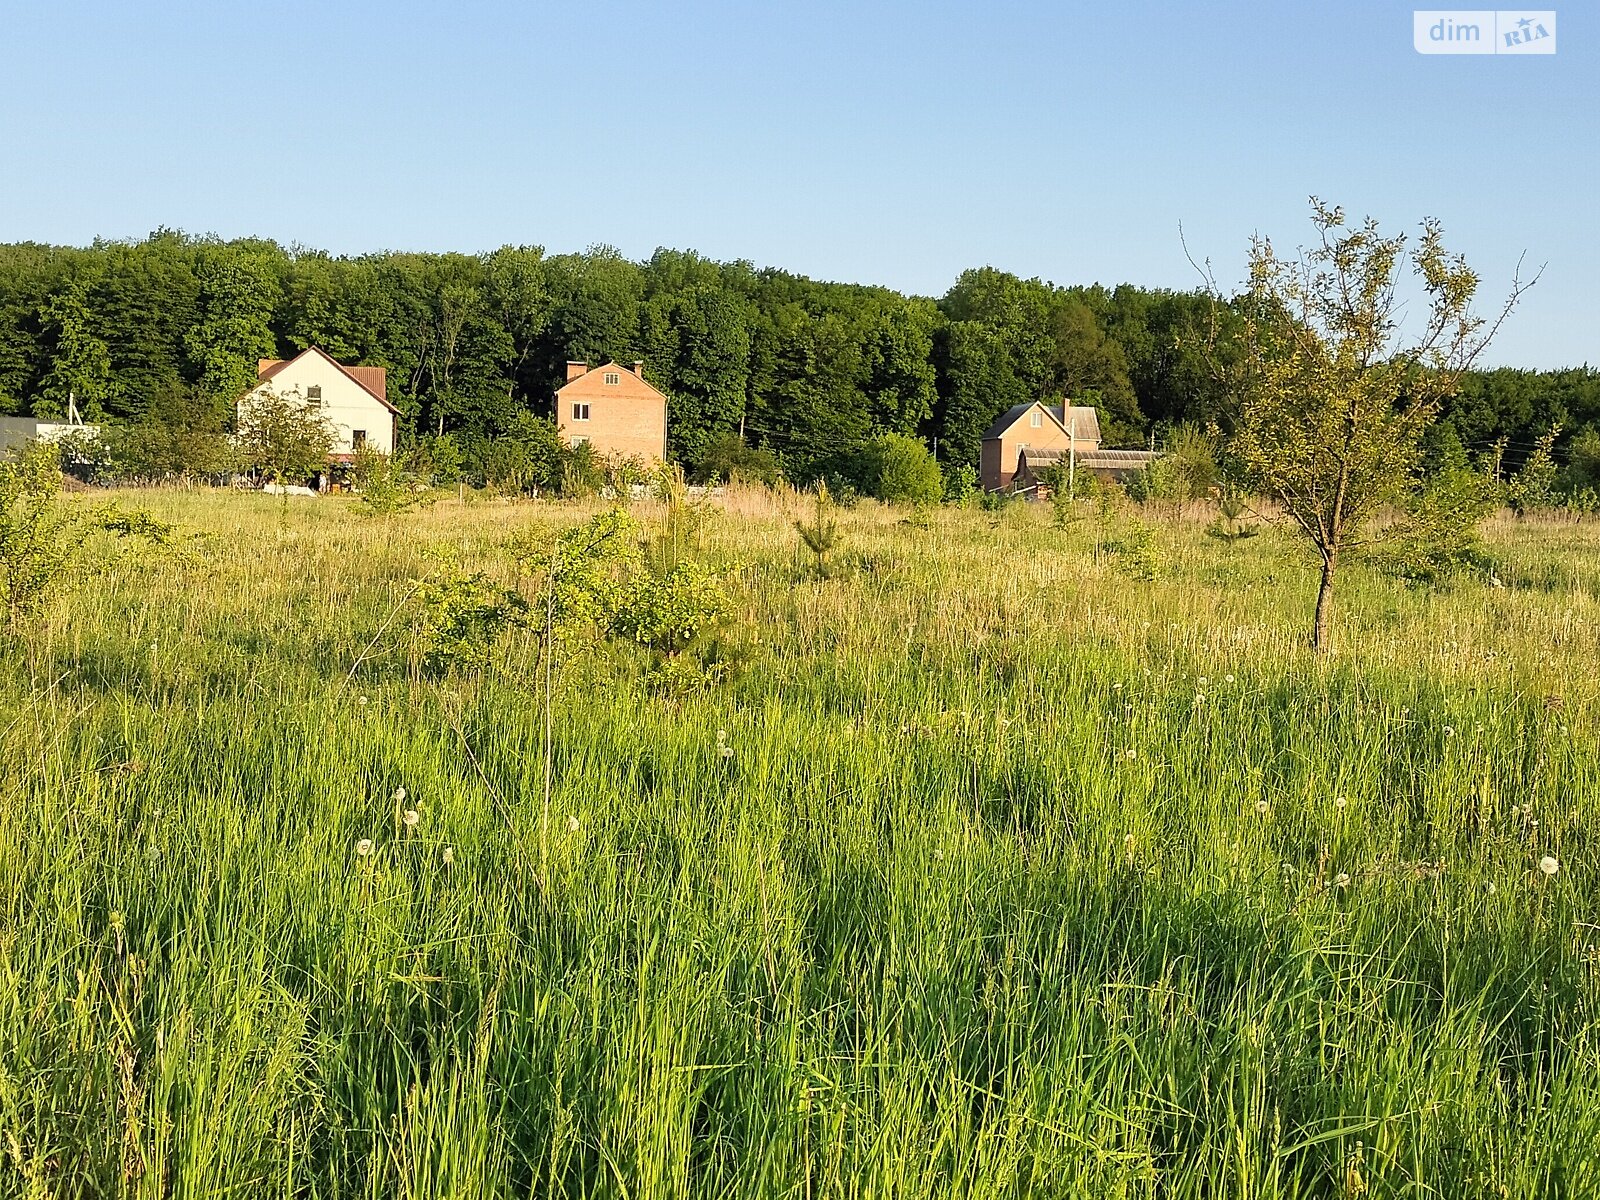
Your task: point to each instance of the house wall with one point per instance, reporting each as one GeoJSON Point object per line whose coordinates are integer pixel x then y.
{"type": "Point", "coordinates": [998, 462]}
{"type": "Point", "coordinates": [345, 403]}
{"type": "Point", "coordinates": [19, 431]}
{"type": "Point", "coordinates": [626, 418]}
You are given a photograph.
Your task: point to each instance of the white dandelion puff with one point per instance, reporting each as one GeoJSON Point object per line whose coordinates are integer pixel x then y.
{"type": "Point", "coordinates": [362, 701]}
{"type": "Point", "coordinates": [1227, 679]}
{"type": "Point", "coordinates": [1131, 752]}
{"type": "Point", "coordinates": [449, 855]}
{"type": "Point", "coordinates": [399, 795]}
{"type": "Point", "coordinates": [411, 817]}
{"type": "Point", "coordinates": [364, 848]}
{"type": "Point", "coordinates": [1549, 865]}
{"type": "Point", "coordinates": [1340, 802]}
{"type": "Point", "coordinates": [573, 824]}
{"type": "Point", "coordinates": [1262, 808]}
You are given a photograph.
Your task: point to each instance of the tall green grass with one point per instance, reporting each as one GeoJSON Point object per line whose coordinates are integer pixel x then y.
{"type": "Point", "coordinates": [1024, 878]}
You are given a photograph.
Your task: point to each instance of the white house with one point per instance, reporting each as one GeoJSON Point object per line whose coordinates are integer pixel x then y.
{"type": "Point", "coordinates": [353, 400]}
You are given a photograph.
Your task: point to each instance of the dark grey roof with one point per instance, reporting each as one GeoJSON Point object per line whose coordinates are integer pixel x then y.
{"type": "Point", "coordinates": [1006, 420]}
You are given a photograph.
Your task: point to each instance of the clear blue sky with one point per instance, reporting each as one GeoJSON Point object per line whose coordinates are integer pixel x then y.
{"type": "Point", "coordinates": [889, 143]}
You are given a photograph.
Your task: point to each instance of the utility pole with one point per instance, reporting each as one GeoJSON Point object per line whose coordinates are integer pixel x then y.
{"type": "Point", "coordinates": [1072, 457]}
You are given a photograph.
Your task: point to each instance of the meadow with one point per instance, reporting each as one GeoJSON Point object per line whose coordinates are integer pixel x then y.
{"type": "Point", "coordinates": [992, 868]}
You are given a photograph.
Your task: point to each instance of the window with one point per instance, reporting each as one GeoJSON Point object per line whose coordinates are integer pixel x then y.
{"type": "Point", "coordinates": [1037, 419]}
{"type": "Point", "coordinates": [358, 438]}
{"type": "Point", "coordinates": [580, 412]}
{"type": "Point", "coordinates": [613, 377]}
{"type": "Point", "coordinates": [314, 395]}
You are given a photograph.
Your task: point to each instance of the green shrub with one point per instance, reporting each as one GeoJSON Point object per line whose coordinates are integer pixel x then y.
{"type": "Point", "coordinates": [1438, 539]}
{"type": "Point", "coordinates": [901, 470]}
{"type": "Point", "coordinates": [45, 544]}
{"type": "Point", "coordinates": [729, 460]}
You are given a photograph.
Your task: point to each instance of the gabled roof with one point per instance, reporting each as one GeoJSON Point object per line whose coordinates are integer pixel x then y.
{"type": "Point", "coordinates": [372, 380]}
{"type": "Point", "coordinates": [612, 366]}
{"type": "Point", "coordinates": [1085, 429]}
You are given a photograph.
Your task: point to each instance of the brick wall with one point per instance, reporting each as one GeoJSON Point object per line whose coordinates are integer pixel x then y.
{"type": "Point", "coordinates": [626, 417]}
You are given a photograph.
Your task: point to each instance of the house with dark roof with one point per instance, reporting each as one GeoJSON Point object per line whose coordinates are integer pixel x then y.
{"type": "Point", "coordinates": [1034, 426]}
{"type": "Point", "coordinates": [353, 400]}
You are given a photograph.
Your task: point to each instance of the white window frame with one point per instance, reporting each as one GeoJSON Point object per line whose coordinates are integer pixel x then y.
{"type": "Point", "coordinates": [613, 378]}
{"type": "Point", "coordinates": [580, 411]}
{"type": "Point", "coordinates": [1037, 420]}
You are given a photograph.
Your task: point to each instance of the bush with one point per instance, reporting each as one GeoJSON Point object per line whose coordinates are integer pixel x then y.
{"type": "Point", "coordinates": [43, 543]}
{"type": "Point", "coordinates": [901, 470]}
{"type": "Point", "coordinates": [1534, 488]}
{"type": "Point", "coordinates": [961, 485]}
{"type": "Point", "coordinates": [462, 617]}
{"type": "Point", "coordinates": [1438, 537]}
{"type": "Point", "coordinates": [665, 613]}
{"type": "Point", "coordinates": [727, 458]}
{"type": "Point", "coordinates": [583, 471]}
{"type": "Point", "coordinates": [381, 483]}
{"type": "Point", "coordinates": [181, 436]}
{"type": "Point", "coordinates": [1165, 479]}
{"type": "Point", "coordinates": [528, 456]}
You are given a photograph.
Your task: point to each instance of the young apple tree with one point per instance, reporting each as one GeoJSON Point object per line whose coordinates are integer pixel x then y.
{"type": "Point", "coordinates": [1332, 397]}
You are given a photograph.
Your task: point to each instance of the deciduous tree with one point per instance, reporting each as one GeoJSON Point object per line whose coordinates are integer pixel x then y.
{"type": "Point", "coordinates": [1332, 399]}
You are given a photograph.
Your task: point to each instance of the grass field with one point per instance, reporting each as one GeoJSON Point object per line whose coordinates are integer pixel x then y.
{"type": "Point", "coordinates": [1024, 876]}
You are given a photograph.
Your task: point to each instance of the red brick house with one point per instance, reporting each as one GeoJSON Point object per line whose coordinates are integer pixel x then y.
{"type": "Point", "coordinates": [613, 409]}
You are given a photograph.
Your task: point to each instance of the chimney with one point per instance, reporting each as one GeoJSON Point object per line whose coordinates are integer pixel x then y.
{"type": "Point", "coordinates": [574, 369]}
{"type": "Point", "coordinates": [638, 368]}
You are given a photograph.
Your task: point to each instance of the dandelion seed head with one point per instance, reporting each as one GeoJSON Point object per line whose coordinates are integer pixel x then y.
{"type": "Point", "coordinates": [1549, 865]}
{"type": "Point", "coordinates": [573, 824]}
{"type": "Point", "coordinates": [1262, 808]}
{"type": "Point", "coordinates": [1340, 802]}
{"type": "Point", "coordinates": [449, 855]}
{"type": "Point", "coordinates": [1227, 679]}
{"type": "Point", "coordinates": [726, 751]}
{"type": "Point", "coordinates": [1130, 752]}
{"type": "Point", "coordinates": [411, 817]}
{"type": "Point", "coordinates": [399, 795]}
{"type": "Point", "coordinates": [362, 701]}
{"type": "Point", "coordinates": [364, 847]}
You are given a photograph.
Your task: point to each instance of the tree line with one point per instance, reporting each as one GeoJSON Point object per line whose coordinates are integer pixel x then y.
{"type": "Point", "coordinates": [165, 333]}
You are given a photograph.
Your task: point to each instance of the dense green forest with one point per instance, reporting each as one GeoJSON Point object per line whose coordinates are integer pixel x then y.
{"type": "Point", "coordinates": [172, 326]}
